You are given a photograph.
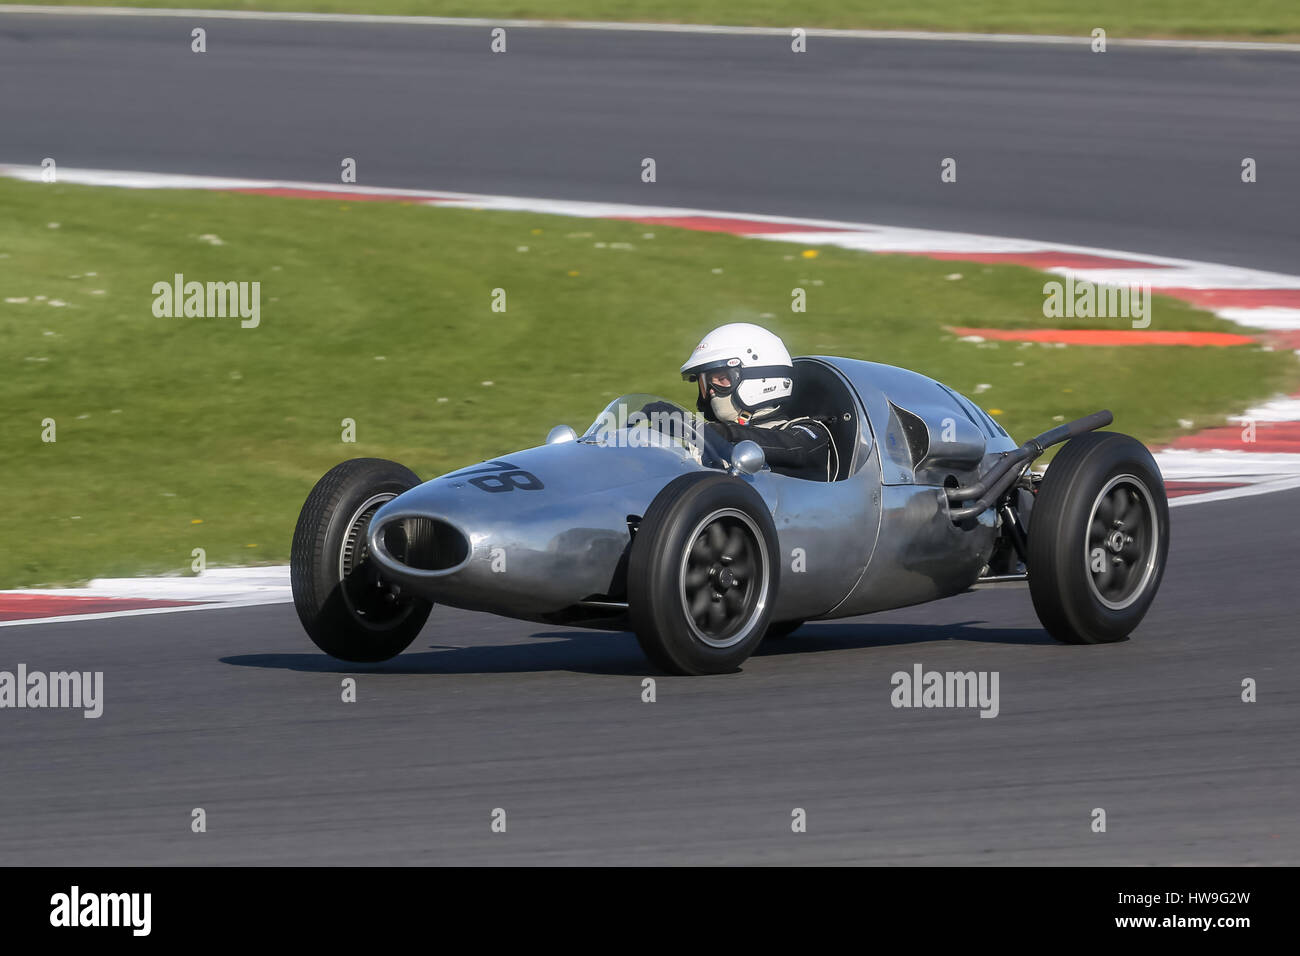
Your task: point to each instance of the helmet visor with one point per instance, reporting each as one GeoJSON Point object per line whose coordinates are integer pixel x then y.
{"type": "Point", "coordinates": [722, 374]}
{"type": "Point", "coordinates": [717, 382]}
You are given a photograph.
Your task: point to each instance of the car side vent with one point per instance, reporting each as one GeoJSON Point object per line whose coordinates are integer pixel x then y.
{"type": "Point", "coordinates": [916, 433]}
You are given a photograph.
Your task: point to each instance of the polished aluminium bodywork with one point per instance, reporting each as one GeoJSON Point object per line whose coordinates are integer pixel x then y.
{"type": "Point", "coordinates": [543, 534]}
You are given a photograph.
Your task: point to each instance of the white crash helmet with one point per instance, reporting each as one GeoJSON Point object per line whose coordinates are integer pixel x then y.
{"type": "Point", "coordinates": [756, 365]}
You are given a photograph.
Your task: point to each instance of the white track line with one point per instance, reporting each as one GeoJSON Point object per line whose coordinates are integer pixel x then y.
{"type": "Point", "coordinates": [141, 612]}
{"type": "Point", "coordinates": [1267, 318]}
{"type": "Point", "coordinates": [1282, 410]}
{"type": "Point", "coordinates": [215, 585]}
{"type": "Point", "coordinates": [1246, 491]}
{"type": "Point", "coordinates": [1194, 464]}
{"type": "Point", "coordinates": [1164, 271]}
{"type": "Point", "coordinates": [217, 588]}
{"type": "Point", "coordinates": [863, 236]}
{"type": "Point", "coordinates": [697, 28]}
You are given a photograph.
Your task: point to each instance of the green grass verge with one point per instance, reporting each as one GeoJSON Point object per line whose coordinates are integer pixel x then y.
{"type": "Point", "coordinates": [1249, 19]}
{"type": "Point", "coordinates": [180, 433]}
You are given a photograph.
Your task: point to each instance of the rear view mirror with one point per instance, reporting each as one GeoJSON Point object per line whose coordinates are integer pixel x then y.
{"type": "Point", "coordinates": [747, 458]}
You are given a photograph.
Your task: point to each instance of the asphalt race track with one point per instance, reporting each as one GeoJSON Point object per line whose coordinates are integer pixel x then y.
{"type": "Point", "coordinates": [235, 712]}
{"type": "Point", "coordinates": [1134, 149]}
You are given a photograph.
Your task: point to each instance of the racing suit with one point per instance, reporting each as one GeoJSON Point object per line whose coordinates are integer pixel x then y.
{"type": "Point", "coordinates": [800, 447]}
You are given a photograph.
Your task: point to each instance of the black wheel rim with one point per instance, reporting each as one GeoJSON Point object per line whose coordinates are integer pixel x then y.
{"type": "Point", "coordinates": [724, 578]}
{"type": "Point", "coordinates": [371, 599]}
{"type": "Point", "coordinates": [1122, 542]}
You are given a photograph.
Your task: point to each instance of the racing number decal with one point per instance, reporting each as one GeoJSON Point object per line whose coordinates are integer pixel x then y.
{"type": "Point", "coordinates": [505, 477]}
{"type": "Point", "coordinates": [508, 481]}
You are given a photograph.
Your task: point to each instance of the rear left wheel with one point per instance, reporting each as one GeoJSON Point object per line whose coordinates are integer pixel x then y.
{"type": "Point", "coordinates": [1099, 539]}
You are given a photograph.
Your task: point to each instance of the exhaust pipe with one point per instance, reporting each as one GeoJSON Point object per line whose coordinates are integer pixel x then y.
{"type": "Point", "coordinates": [1006, 471]}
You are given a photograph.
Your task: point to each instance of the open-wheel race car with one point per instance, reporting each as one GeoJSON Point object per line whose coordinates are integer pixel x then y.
{"type": "Point", "coordinates": [648, 522]}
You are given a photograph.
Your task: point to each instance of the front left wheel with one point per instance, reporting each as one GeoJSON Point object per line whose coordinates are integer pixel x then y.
{"type": "Point", "coordinates": [347, 608]}
{"type": "Point", "coordinates": [703, 574]}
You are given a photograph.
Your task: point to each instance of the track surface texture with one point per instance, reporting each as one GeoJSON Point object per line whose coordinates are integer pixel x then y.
{"type": "Point", "coordinates": [1135, 148]}
{"type": "Point", "coordinates": [234, 711]}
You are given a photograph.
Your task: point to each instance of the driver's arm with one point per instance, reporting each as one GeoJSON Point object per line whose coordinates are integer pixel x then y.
{"type": "Point", "coordinates": [796, 446]}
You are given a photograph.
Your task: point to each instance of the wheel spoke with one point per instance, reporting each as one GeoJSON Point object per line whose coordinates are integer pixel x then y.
{"type": "Point", "coordinates": [735, 546]}
{"type": "Point", "coordinates": [717, 538]}
{"type": "Point", "coordinates": [717, 616]}
{"type": "Point", "coordinates": [696, 577]}
{"type": "Point", "coordinates": [700, 603]}
{"type": "Point", "coordinates": [743, 570]}
{"type": "Point", "coordinates": [1121, 503]}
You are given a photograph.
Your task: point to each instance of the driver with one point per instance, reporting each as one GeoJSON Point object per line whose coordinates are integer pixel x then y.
{"type": "Point", "coordinates": [745, 374]}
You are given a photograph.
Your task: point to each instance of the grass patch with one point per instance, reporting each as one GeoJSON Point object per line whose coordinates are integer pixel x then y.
{"type": "Point", "coordinates": [180, 433]}
{"type": "Point", "coordinates": [1249, 19]}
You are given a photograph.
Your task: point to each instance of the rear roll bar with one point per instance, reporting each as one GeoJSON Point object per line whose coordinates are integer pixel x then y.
{"type": "Point", "coordinates": [993, 483]}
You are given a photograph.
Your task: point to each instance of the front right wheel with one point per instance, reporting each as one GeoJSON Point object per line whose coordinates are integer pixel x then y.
{"type": "Point", "coordinates": [1098, 540]}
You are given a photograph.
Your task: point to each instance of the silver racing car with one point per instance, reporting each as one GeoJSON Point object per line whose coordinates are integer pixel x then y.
{"type": "Point", "coordinates": [648, 522]}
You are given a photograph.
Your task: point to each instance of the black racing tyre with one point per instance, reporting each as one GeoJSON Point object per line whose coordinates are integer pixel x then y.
{"type": "Point", "coordinates": [780, 630]}
{"type": "Point", "coordinates": [703, 575]}
{"type": "Point", "coordinates": [1099, 539]}
{"type": "Point", "coordinates": [347, 608]}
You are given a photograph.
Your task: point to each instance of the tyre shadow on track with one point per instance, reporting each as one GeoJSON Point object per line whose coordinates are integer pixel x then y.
{"type": "Point", "coordinates": [617, 654]}
{"type": "Point", "coordinates": [853, 635]}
